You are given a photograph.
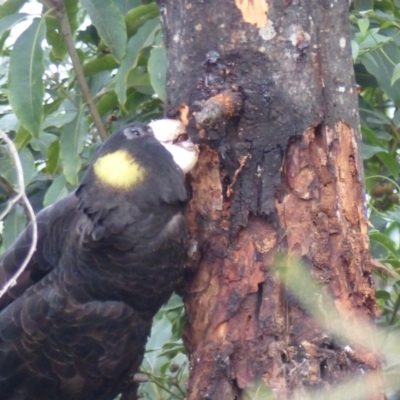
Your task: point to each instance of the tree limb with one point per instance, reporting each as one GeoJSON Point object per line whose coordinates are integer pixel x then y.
{"type": "Point", "coordinates": [21, 195]}
{"type": "Point", "coordinates": [61, 15]}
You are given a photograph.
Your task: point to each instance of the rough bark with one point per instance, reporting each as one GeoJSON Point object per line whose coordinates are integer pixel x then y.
{"type": "Point", "coordinates": [268, 92]}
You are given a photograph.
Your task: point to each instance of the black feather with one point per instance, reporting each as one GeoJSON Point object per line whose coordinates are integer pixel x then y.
{"type": "Point", "coordinates": [76, 323]}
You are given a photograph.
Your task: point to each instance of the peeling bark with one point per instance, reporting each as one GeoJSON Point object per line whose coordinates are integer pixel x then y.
{"type": "Point", "coordinates": [279, 173]}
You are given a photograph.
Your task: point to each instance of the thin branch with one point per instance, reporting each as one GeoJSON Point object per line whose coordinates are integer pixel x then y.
{"type": "Point", "coordinates": [140, 378]}
{"type": "Point", "coordinates": [11, 203]}
{"type": "Point", "coordinates": [21, 195]}
{"type": "Point", "coordinates": [7, 187]}
{"type": "Point", "coordinates": [59, 11]}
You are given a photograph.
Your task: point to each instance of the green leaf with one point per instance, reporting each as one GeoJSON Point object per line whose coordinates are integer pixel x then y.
{"type": "Point", "coordinates": [384, 241]}
{"type": "Point", "coordinates": [71, 145]}
{"type": "Point", "coordinates": [28, 165]}
{"type": "Point", "coordinates": [384, 5]}
{"type": "Point", "coordinates": [382, 294]}
{"type": "Point", "coordinates": [371, 136]}
{"type": "Point", "coordinates": [97, 65]}
{"type": "Point", "coordinates": [363, 25]}
{"type": "Point", "coordinates": [110, 25]}
{"type": "Point", "coordinates": [138, 16]}
{"type": "Point", "coordinates": [54, 104]}
{"type": "Point", "coordinates": [3, 39]}
{"type": "Point", "coordinates": [153, 361]}
{"type": "Point", "coordinates": [390, 162]}
{"type": "Point", "coordinates": [107, 102]}
{"type": "Point", "coordinates": [9, 21]}
{"type": "Point", "coordinates": [9, 122]}
{"type": "Point", "coordinates": [172, 348]}
{"type": "Point", "coordinates": [43, 142]}
{"type": "Point", "coordinates": [372, 40]}
{"type": "Point", "coordinates": [59, 118]}
{"type": "Point", "coordinates": [11, 7]}
{"type": "Point", "coordinates": [13, 225]}
{"type": "Point", "coordinates": [363, 77]}
{"type": "Point", "coordinates": [388, 24]}
{"type": "Point", "coordinates": [53, 155]}
{"type": "Point", "coordinates": [368, 151]}
{"type": "Point", "coordinates": [394, 215]}
{"type": "Point", "coordinates": [26, 88]}
{"type": "Point", "coordinates": [22, 138]}
{"type": "Point", "coordinates": [160, 333]}
{"type": "Point", "coordinates": [134, 100]}
{"type": "Point", "coordinates": [363, 5]}
{"type": "Point", "coordinates": [383, 135]}
{"type": "Point", "coordinates": [7, 166]}
{"type": "Point", "coordinates": [158, 68]}
{"type": "Point", "coordinates": [396, 74]}
{"type": "Point", "coordinates": [395, 263]}
{"type": "Point", "coordinates": [143, 38]}
{"type": "Point", "coordinates": [56, 191]}
{"type": "Point", "coordinates": [380, 63]}
{"type": "Point", "coordinates": [355, 49]}
{"type": "Point", "coordinates": [141, 82]}
{"type": "Point", "coordinates": [376, 117]}
{"type": "Point", "coordinates": [125, 5]}
{"type": "Point", "coordinates": [99, 82]}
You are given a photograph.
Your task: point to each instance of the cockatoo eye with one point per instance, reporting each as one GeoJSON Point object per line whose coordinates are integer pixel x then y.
{"type": "Point", "coordinates": [132, 132]}
{"type": "Point", "coordinates": [181, 138]}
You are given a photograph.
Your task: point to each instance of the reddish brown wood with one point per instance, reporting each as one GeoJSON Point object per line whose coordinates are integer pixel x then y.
{"type": "Point", "coordinates": [277, 186]}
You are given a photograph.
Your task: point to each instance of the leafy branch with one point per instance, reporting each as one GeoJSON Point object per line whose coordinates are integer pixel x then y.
{"type": "Point", "coordinates": [61, 15]}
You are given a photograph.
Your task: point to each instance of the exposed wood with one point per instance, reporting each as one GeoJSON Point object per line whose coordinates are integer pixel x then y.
{"type": "Point", "coordinates": [281, 178]}
{"type": "Point", "coordinates": [253, 11]}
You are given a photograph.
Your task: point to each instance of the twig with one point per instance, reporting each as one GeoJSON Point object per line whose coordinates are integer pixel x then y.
{"type": "Point", "coordinates": [21, 195]}
{"type": "Point", "coordinates": [140, 378]}
{"type": "Point", "coordinates": [59, 11]}
{"type": "Point", "coordinates": [383, 269]}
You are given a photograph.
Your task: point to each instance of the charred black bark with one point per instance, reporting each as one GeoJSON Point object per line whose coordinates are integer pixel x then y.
{"type": "Point", "coordinates": [295, 72]}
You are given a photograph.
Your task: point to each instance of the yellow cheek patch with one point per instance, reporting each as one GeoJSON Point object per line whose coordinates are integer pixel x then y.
{"type": "Point", "coordinates": [119, 170]}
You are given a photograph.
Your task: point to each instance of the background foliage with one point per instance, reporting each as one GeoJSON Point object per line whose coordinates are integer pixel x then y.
{"type": "Point", "coordinates": [376, 54]}
{"type": "Point", "coordinates": [119, 45]}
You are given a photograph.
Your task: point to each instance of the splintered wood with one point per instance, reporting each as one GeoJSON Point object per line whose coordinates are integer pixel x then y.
{"type": "Point", "coordinates": [253, 11]}
{"type": "Point", "coordinates": [322, 214]}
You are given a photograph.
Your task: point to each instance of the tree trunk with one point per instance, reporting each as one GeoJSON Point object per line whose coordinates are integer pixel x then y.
{"type": "Point", "coordinates": [268, 91]}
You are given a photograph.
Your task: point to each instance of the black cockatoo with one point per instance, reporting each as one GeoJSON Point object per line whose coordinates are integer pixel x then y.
{"type": "Point", "coordinates": [75, 325]}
